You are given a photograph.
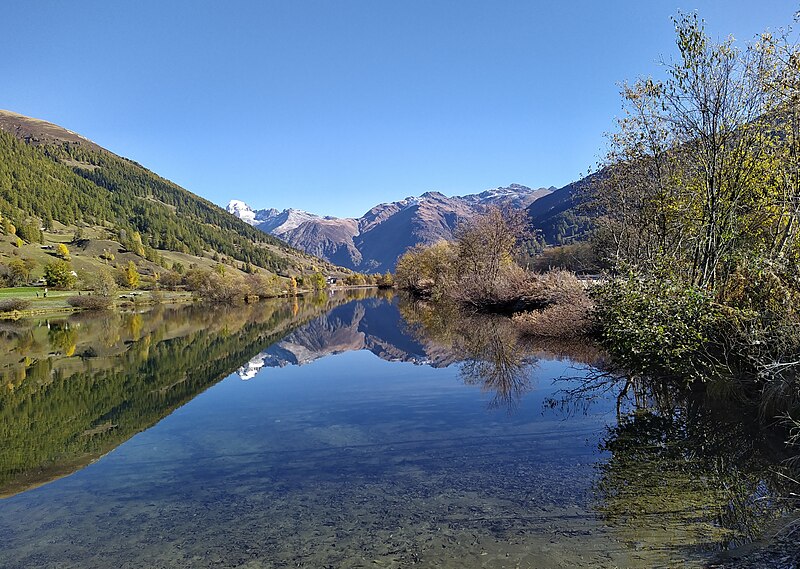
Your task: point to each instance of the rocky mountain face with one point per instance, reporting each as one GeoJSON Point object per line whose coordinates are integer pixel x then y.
{"type": "Point", "coordinates": [373, 242]}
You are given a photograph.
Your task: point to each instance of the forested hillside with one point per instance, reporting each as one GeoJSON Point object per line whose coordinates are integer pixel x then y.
{"type": "Point", "coordinates": [46, 179]}
{"type": "Point", "coordinates": [560, 218]}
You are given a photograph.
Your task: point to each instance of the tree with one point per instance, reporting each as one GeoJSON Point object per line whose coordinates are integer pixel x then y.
{"type": "Point", "coordinates": [487, 246]}
{"type": "Point", "coordinates": [130, 276]}
{"type": "Point", "coordinates": [356, 279]}
{"type": "Point", "coordinates": [686, 188]}
{"type": "Point", "coordinates": [317, 281]}
{"type": "Point", "coordinates": [170, 280]}
{"type": "Point", "coordinates": [103, 283]}
{"type": "Point", "coordinates": [18, 272]}
{"type": "Point", "coordinates": [62, 251]}
{"type": "Point", "coordinates": [427, 270]}
{"type": "Point", "coordinates": [58, 274]}
{"type": "Point", "coordinates": [385, 281]}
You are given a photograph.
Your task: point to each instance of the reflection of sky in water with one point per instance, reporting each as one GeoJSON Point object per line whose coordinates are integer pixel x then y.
{"type": "Point", "coordinates": [347, 461]}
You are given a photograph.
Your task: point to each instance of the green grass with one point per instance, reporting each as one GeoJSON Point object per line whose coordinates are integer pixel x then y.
{"type": "Point", "coordinates": [31, 291]}
{"type": "Point", "coordinates": [56, 300]}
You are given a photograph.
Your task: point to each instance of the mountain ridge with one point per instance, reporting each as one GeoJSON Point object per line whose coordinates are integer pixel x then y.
{"type": "Point", "coordinates": [374, 241]}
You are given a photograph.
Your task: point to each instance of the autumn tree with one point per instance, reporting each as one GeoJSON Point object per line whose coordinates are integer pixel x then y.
{"type": "Point", "coordinates": [688, 186]}
{"type": "Point", "coordinates": [18, 271]}
{"type": "Point", "coordinates": [129, 275]}
{"type": "Point", "coordinates": [317, 281]}
{"type": "Point", "coordinates": [62, 251]}
{"type": "Point", "coordinates": [102, 283]}
{"type": "Point", "coordinates": [427, 270]}
{"type": "Point", "coordinates": [58, 274]}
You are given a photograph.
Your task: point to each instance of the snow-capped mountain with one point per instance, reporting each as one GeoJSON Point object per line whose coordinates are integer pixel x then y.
{"type": "Point", "coordinates": [374, 242]}
{"type": "Point", "coordinates": [242, 211]}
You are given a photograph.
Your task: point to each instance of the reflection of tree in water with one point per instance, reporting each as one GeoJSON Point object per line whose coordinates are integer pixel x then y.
{"type": "Point", "coordinates": [491, 352]}
{"type": "Point", "coordinates": [495, 359]}
{"type": "Point", "coordinates": [62, 337]}
{"type": "Point", "coordinates": [686, 471]}
{"type": "Point", "coordinates": [59, 410]}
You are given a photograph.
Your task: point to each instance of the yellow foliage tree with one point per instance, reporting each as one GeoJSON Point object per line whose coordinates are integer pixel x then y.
{"type": "Point", "coordinates": [62, 251]}
{"type": "Point", "coordinates": [131, 275]}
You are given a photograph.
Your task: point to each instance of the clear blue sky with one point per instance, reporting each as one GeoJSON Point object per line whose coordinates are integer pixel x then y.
{"type": "Point", "coordinates": [334, 105]}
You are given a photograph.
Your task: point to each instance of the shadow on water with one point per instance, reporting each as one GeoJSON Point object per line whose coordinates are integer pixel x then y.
{"type": "Point", "coordinates": [688, 469]}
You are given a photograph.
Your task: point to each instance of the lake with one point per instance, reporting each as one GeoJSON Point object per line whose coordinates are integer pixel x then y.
{"type": "Point", "coordinates": [358, 431]}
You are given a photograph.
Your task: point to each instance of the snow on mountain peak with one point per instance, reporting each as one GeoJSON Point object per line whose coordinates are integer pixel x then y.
{"type": "Point", "coordinates": [242, 211]}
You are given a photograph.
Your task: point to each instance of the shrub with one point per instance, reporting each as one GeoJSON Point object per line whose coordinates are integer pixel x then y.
{"type": "Point", "coordinates": [558, 286]}
{"type": "Point", "coordinates": [213, 287]}
{"type": "Point", "coordinates": [565, 308]}
{"type": "Point", "coordinates": [385, 280]}
{"type": "Point", "coordinates": [263, 286]}
{"type": "Point", "coordinates": [557, 321]}
{"type": "Point", "coordinates": [12, 304]}
{"type": "Point", "coordinates": [657, 328]}
{"type": "Point", "coordinates": [501, 293]}
{"type": "Point", "coordinates": [170, 280]}
{"type": "Point", "coordinates": [93, 302]}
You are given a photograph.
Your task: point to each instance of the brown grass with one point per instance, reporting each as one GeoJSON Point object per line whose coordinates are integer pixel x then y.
{"type": "Point", "coordinates": [566, 307]}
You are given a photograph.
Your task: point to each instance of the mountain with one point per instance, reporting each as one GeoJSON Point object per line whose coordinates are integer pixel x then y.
{"type": "Point", "coordinates": [559, 216]}
{"type": "Point", "coordinates": [57, 186]}
{"type": "Point", "coordinates": [373, 242]}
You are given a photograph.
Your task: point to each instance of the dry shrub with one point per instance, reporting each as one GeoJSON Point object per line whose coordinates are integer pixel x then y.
{"type": "Point", "coordinates": [504, 290]}
{"type": "Point", "coordinates": [557, 320]}
{"type": "Point", "coordinates": [566, 308]}
{"type": "Point", "coordinates": [213, 287]}
{"type": "Point", "coordinates": [558, 286]}
{"type": "Point", "coordinates": [93, 302]}
{"type": "Point", "coordinates": [12, 304]}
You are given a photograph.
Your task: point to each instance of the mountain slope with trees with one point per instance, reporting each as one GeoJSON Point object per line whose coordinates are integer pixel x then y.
{"type": "Point", "coordinates": [50, 177]}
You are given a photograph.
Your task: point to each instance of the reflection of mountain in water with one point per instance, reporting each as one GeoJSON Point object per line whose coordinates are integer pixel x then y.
{"type": "Point", "coordinates": [489, 350]}
{"type": "Point", "coordinates": [373, 325]}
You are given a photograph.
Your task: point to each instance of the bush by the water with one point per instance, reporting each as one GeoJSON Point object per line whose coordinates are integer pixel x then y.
{"type": "Point", "coordinates": [565, 307]}
{"type": "Point", "coordinates": [91, 302]}
{"type": "Point", "coordinates": [477, 269]}
{"type": "Point", "coordinates": [13, 304]}
{"type": "Point", "coordinates": [657, 327]}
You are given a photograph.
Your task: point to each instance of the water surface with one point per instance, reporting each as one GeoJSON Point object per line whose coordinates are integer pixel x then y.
{"type": "Point", "coordinates": [332, 432]}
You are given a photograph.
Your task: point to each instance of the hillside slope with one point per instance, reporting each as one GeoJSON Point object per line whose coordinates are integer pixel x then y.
{"type": "Point", "coordinates": [52, 178]}
{"type": "Point", "coordinates": [559, 217]}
